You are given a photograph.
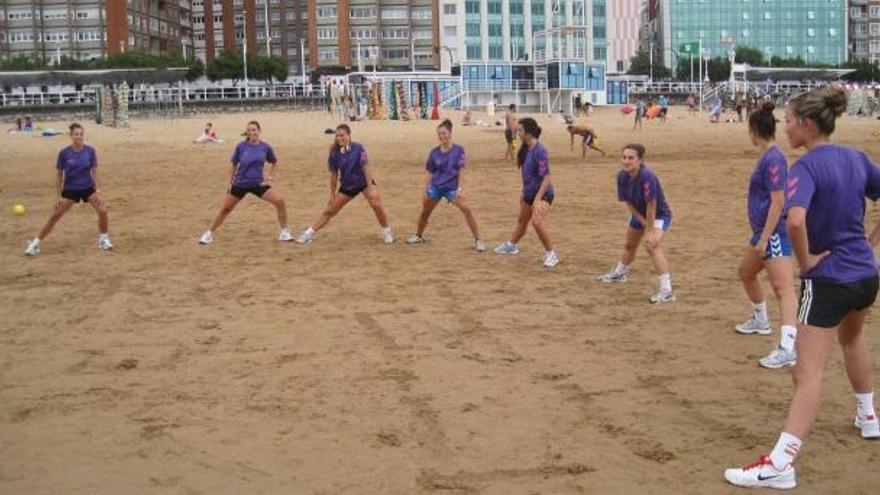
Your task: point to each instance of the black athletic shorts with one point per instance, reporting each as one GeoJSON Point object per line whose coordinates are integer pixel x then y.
{"type": "Point", "coordinates": [825, 304]}
{"type": "Point", "coordinates": [547, 197]}
{"type": "Point", "coordinates": [240, 192]}
{"type": "Point", "coordinates": [78, 195]}
{"type": "Point", "coordinates": [354, 192]}
{"type": "Point", "coordinates": [508, 135]}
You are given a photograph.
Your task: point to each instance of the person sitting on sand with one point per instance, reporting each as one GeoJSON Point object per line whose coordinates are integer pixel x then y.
{"type": "Point", "coordinates": [16, 127]}
{"type": "Point", "coordinates": [27, 126]}
{"type": "Point", "coordinates": [467, 120]}
{"type": "Point", "coordinates": [209, 136]}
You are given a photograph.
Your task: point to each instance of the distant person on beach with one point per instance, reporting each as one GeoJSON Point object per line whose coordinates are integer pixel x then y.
{"type": "Point", "coordinates": [510, 130]}
{"type": "Point", "coordinates": [77, 182]}
{"type": "Point", "coordinates": [247, 175]}
{"type": "Point", "coordinates": [208, 136]}
{"type": "Point", "coordinates": [445, 180]}
{"type": "Point", "coordinates": [588, 138]}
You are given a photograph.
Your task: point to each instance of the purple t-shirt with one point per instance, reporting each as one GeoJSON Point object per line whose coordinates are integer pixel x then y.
{"type": "Point", "coordinates": [444, 167]}
{"type": "Point", "coordinates": [642, 189]}
{"type": "Point", "coordinates": [769, 176]}
{"type": "Point", "coordinates": [251, 158]}
{"type": "Point", "coordinates": [534, 169]}
{"type": "Point", "coordinates": [77, 167]}
{"type": "Point", "coordinates": [832, 182]}
{"type": "Point", "coordinates": [349, 164]}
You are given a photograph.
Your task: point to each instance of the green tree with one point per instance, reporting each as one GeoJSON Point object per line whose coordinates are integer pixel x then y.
{"type": "Point", "coordinates": [23, 62]}
{"type": "Point", "coordinates": [196, 69]}
{"type": "Point", "coordinates": [640, 65]}
{"type": "Point", "coordinates": [749, 55]}
{"type": "Point", "coordinates": [226, 65]}
{"type": "Point", "coordinates": [864, 71]}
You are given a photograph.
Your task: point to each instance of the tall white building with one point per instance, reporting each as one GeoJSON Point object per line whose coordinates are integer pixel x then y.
{"type": "Point", "coordinates": [624, 21]}
{"type": "Point", "coordinates": [503, 30]}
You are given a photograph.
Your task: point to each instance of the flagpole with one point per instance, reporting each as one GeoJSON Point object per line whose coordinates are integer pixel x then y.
{"type": "Point", "coordinates": [701, 74]}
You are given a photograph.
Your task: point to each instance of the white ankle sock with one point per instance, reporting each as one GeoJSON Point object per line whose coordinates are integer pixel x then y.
{"type": "Point", "coordinates": [760, 311]}
{"type": "Point", "coordinates": [787, 335]}
{"type": "Point", "coordinates": [665, 282]}
{"type": "Point", "coordinates": [310, 230]}
{"type": "Point", "coordinates": [786, 450]}
{"type": "Point", "coordinates": [620, 268]}
{"type": "Point", "coordinates": [865, 404]}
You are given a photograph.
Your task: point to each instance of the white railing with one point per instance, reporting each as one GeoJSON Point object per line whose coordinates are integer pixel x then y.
{"type": "Point", "coordinates": [159, 95]}
{"type": "Point", "coordinates": [657, 87]}
{"type": "Point", "coordinates": [487, 85]}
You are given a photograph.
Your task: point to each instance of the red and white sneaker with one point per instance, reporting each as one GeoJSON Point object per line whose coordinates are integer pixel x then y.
{"type": "Point", "coordinates": [762, 474]}
{"type": "Point", "coordinates": [869, 425]}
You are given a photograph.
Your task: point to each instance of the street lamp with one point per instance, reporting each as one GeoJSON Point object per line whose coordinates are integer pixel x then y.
{"type": "Point", "coordinates": [451, 60]}
{"type": "Point", "coordinates": [244, 53]}
{"type": "Point", "coordinates": [266, 23]}
{"type": "Point", "coordinates": [302, 58]}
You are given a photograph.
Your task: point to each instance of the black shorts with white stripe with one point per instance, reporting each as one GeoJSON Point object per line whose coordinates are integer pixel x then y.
{"type": "Point", "coordinates": [825, 304]}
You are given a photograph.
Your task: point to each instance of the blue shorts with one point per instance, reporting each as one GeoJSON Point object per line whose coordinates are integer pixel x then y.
{"type": "Point", "coordinates": [664, 226]}
{"type": "Point", "coordinates": [777, 246]}
{"type": "Point", "coordinates": [436, 193]}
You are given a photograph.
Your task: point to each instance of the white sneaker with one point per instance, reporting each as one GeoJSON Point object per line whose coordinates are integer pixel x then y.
{"type": "Point", "coordinates": [869, 425]}
{"type": "Point", "coordinates": [663, 297]}
{"type": "Point", "coordinates": [104, 243]}
{"type": "Point", "coordinates": [415, 239]}
{"type": "Point", "coordinates": [285, 236]}
{"type": "Point", "coordinates": [479, 245]}
{"type": "Point", "coordinates": [778, 358]}
{"type": "Point", "coordinates": [33, 247]}
{"type": "Point", "coordinates": [612, 277]}
{"type": "Point", "coordinates": [551, 259]}
{"type": "Point", "coordinates": [507, 247]}
{"type": "Point", "coordinates": [762, 474]}
{"type": "Point", "coordinates": [306, 237]}
{"type": "Point", "coordinates": [753, 326]}
{"type": "Point", "coordinates": [207, 238]}
{"type": "Point", "coordinates": [388, 236]}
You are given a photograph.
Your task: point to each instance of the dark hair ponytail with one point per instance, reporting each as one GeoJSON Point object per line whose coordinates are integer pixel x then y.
{"type": "Point", "coordinates": [447, 124]}
{"type": "Point", "coordinates": [762, 122]}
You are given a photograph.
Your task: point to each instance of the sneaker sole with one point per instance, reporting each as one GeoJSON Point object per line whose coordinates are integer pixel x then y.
{"type": "Point", "coordinates": [763, 331]}
{"type": "Point", "coordinates": [776, 367]}
{"type": "Point", "coordinates": [870, 436]}
{"type": "Point", "coordinates": [662, 302]}
{"type": "Point", "coordinates": [788, 485]}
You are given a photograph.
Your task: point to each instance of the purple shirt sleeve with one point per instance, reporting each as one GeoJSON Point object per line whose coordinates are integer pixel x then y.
{"type": "Point", "coordinates": [331, 163]}
{"type": "Point", "coordinates": [462, 159]}
{"type": "Point", "coordinates": [94, 158]}
{"type": "Point", "coordinates": [872, 189]}
{"type": "Point", "coordinates": [773, 172]}
{"type": "Point", "coordinates": [270, 155]}
{"type": "Point", "coordinates": [363, 157]}
{"type": "Point", "coordinates": [429, 164]}
{"type": "Point", "coordinates": [800, 188]}
{"type": "Point", "coordinates": [543, 163]}
{"type": "Point", "coordinates": [59, 163]}
{"type": "Point", "coordinates": [621, 193]}
{"type": "Point", "coordinates": [649, 188]}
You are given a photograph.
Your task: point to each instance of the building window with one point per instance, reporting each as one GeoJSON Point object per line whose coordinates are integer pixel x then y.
{"type": "Point", "coordinates": [395, 53]}
{"type": "Point", "coordinates": [326, 54]}
{"type": "Point", "coordinates": [450, 31]}
{"type": "Point", "coordinates": [327, 33]}
{"type": "Point", "coordinates": [82, 15]}
{"type": "Point", "coordinates": [494, 7]}
{"type": "Point", "coordinates": [472, 7]}
{"type": "Point", "coordinates": [326, 11]}
{"type": "Point", "coordinates": [474, 52]}
{"type": "Point", "coordinates": [423, 34]}
{"type": "Point", "coordinates": [496, 52]}
{"type": "Point", "coordinates": [362, 12]}
{"type": "Point", "coordinates": [449, 9]}
{"type": "Point", "coordinates": [363, 33]}
{"type": "Point", "coordinates": [394, 13]}
{"type": "Point", "coordinates": [395, 34]}
{"type": "Point", "coordinates": [421, 13]}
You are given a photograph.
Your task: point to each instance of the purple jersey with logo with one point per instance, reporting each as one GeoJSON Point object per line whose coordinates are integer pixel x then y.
{"type": "Point", "coordinates": [832, 182]}
{"type": "Point", "coordinates": [769, 176]}
{"type": "Point", "coordinates": [444, 167]}
{"type": "Point", "coordinates": [534, 169]}
{"type": "Point", "coordinates": [642, 189]}
{"type": "Point", "coordinates": [77, 167]}
{"type": "Point", "coordinates": [349, 163]}
{"type": "Point", "coordinates": [251, 158]}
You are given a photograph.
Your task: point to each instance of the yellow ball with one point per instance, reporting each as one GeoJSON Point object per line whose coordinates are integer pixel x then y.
{"type": "Point", "coordinates": [18, 209]}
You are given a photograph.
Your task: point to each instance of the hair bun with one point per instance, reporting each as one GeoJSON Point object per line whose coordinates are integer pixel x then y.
{"type": "Point", "coordinates": [835, 100]}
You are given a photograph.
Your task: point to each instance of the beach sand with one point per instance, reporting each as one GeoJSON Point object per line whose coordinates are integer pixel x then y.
{"type": "Point", "coordinates": [348, 366]}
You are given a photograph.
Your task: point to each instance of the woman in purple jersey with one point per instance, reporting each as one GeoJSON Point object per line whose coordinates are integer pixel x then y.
{"type": "Point", "coordinates": [825, 201]}
{"type": "Point", "coordinates": [650, 217]}
{"type": "Point", "coordinates": [353, 174]}
{"type": "Point", "coordinates": [537, 192]}
{"type": "Point", "coordinates": [248, 176]}
{"type": "Point", "coordinates": [769, 246]}
{"type": "Point", "coordinates": [445, 179]}
{"type": "Point", "coordinates": [77, 182]}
